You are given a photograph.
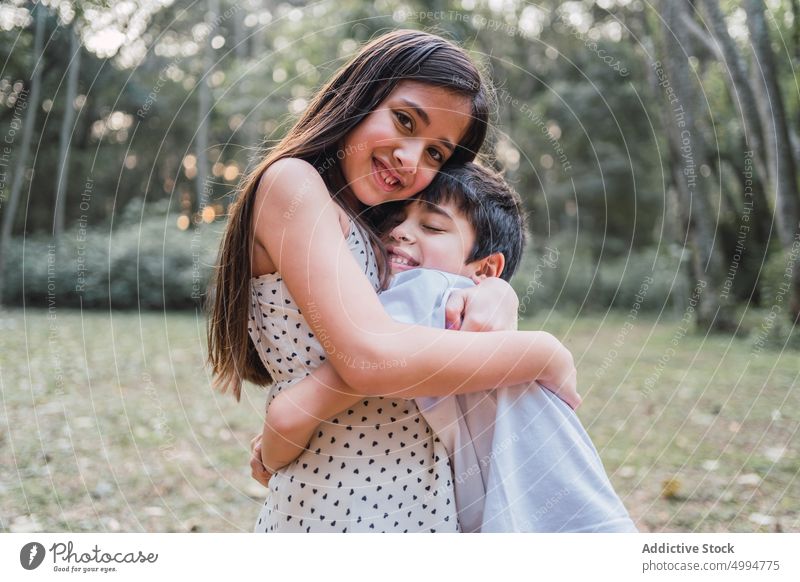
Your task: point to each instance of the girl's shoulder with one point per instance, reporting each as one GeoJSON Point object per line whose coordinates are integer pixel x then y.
{"type": "Point", "coordinates": [288, 182]}
{"type": "Point", "coordinates": [289, 164]}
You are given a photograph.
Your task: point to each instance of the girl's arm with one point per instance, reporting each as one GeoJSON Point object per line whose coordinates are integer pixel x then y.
{"type": "Point", "coordinates": [295, 221]}
{"type": "Point", "coordinates": [295, 414]}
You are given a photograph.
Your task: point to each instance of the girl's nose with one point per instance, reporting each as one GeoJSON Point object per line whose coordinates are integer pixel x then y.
{"type": "Point", "coordinates": [408, 155]}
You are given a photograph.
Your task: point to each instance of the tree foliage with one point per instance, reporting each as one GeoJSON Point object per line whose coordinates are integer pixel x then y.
{"type": "Point", "coordinates": [173, 102]}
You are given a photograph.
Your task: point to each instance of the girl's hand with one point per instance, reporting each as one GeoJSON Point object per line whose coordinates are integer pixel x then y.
{"type": "Point", "coordinates": [257, 469]}
{"type": "Point", "coordinates": [490, 306]}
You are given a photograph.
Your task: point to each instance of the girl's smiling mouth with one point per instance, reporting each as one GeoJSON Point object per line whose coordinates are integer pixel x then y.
{"type": "Point", "coordinates": [385, 177]}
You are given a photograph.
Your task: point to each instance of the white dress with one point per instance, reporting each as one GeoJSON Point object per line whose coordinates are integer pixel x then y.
{"type": "Point", "coordinates": [376, 467]}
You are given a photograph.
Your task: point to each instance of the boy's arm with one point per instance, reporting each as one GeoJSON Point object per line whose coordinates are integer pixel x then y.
{"type": "Point", "coordinates": [294, 415]}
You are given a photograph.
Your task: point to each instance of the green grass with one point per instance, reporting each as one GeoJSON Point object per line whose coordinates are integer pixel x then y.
{"type": "Point", "coordinates": [109, 424]}
{"type": "Point", "coordinates": [711, 445]}
{"type": "Point", "coordinates": [132, 439]}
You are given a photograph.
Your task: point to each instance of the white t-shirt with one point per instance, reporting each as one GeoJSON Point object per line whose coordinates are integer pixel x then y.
{"type": "Point", "coordinates": [522, 461]}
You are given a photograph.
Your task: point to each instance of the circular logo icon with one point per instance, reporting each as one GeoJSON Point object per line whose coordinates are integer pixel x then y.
{"type": "Point", "coordinates": [31, 555]}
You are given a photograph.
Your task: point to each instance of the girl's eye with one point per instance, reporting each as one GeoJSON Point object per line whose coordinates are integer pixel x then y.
{"type": "Point", "coordinates": [432, 228]}
{"type": "Point", "coordinates": [404, 120]}
{"type": "Point", "coordinates": [436, 155]}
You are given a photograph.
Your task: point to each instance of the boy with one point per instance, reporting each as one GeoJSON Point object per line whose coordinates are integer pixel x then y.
{"type": "Point", "coordinates": [520, 457]}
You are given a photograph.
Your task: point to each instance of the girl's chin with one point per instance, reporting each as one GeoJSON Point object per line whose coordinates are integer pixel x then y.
{"type": "Point", "coordinates": [371, 196]}
{"type": "Point", "coordinates": [365, 192]}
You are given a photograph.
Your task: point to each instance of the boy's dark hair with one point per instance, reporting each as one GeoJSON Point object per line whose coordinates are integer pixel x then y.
{"type": "Point", "coordinates": [492, 207]}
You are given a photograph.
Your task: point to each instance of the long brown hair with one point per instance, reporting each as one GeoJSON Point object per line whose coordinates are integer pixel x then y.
{"type": "Point", "coordinates": [353, 92]}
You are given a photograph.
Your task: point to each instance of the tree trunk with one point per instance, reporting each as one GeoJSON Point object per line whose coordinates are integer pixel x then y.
{"type": "Point", "coordinates": [204, 111]}
{"type": "Point", "coordinates": [32, 105]}
{"type": "Point", "coordinates": [254, 133]}
{"type": "Point", "coordinates": [796, 38]}
{"type": "Point", "coordinates": [781, 163]}
{"type": "Point", "coordinates": [741, 92]}
{"type": "Point", "coordinates": [688, 151]}
{"type": "Point", "coordinates": [754, 204]}
{"type": "Point", "coordinates": [239, 38]}
{"type": "Point", "coordinates": [65, 137]}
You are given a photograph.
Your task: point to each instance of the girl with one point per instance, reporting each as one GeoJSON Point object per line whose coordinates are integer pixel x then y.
{"type": "Point", "coordinates": [407, 105]}
{"type": "Point", "coordinates": [513, 450]}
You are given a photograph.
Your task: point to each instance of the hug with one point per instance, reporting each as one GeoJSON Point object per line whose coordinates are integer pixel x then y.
{"type": "Point", "coordinates": [363, 277]}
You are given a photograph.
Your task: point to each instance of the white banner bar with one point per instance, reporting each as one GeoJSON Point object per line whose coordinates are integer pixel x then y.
{"type": "Point", "coordinates": [355, 557]}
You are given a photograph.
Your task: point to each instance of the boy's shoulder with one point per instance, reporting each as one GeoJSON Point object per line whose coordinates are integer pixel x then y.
{"type": "Point", "coordinates": [430, 280]}
{"type": "Point", "coordinates": [419, 296]}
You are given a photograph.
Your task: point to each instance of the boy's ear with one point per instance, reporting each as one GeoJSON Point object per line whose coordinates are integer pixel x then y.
{"type": "Point", "coordinates": [491, 266]}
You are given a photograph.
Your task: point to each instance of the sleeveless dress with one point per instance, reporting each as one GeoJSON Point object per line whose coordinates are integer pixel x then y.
{"type": "Point", "coordinates": [375, 467]}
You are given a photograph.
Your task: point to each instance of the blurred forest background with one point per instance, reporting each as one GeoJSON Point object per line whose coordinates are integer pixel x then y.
{"type": "Point", "coordinates": [656, 145]}
{"type": "Point", "coordinates": [648, 140]}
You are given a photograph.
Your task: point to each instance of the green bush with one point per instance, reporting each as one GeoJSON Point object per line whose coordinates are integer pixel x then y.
{"type": "Point", "coordinates": [550, 278]}
{"type": "Point", "coordinates": [132, 264]}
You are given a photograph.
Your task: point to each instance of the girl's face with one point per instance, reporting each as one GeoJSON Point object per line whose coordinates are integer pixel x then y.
{"type": "Point", "coordinates": [396, 150]}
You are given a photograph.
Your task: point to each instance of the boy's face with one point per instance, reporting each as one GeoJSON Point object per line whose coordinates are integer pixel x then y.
{"type": "Point", "coordinates": [433, 237]}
